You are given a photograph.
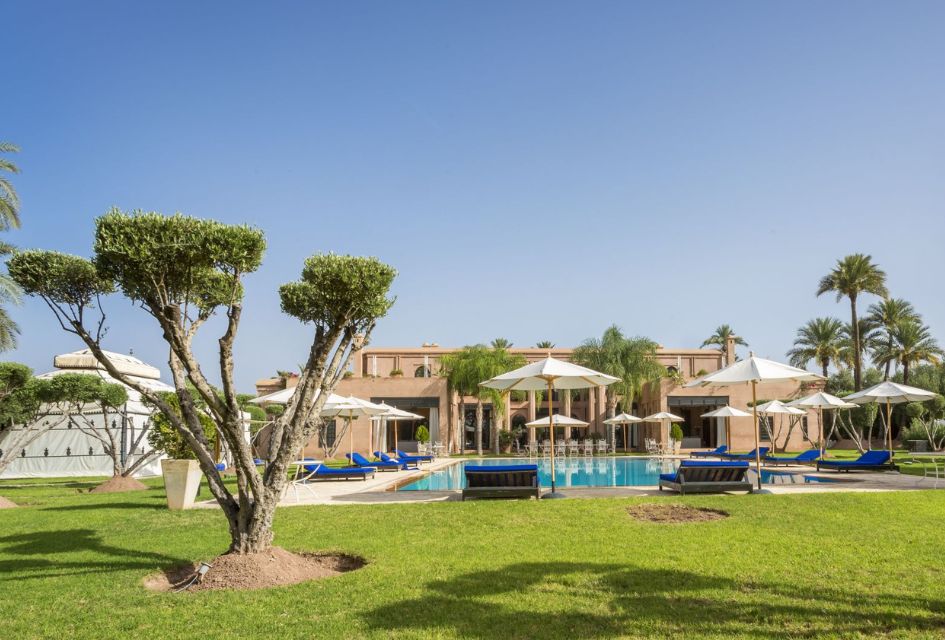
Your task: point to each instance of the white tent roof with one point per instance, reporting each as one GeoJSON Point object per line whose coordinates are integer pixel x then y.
{"type": "Point", "coordinates": [125, 364]}
{"type": "Point", "coordinates": [726, 412]}
{"type": "Point", "coordinates": [559, 420]}
{"type": "Point", "coordinates": [822, 400]}
{"type": "Point", "coordinates": [893, 392]}
{"type": "Point", "coordinates": [753, 368]}
{"type": "Point", "coordinates": [537, 375]}
{"type": "Point", "coordinates": [622, 418]}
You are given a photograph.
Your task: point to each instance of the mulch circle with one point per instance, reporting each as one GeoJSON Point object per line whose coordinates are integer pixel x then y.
{"type": "Point", "coordinates": [673, 513]}
{"type": "Point", "coordinates": [274, 568]}
{"type": "Point", "coordinates": [119, 484]}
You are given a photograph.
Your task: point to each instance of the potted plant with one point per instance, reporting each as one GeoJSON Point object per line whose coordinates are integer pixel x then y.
{"type": "Point", "coordinates": [506, 438]}
{"type": "Point", "coordinates": [423, 434]}
{"type": "Point", "coordinates": [676, 435]}
{"type": "Point", "coordinates": [396, 373]}
{"type": "Point", "coordinates": [180, 469]}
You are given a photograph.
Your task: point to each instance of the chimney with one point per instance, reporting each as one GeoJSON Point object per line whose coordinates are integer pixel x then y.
{"type": "Point", "coordinates": [730, 349]}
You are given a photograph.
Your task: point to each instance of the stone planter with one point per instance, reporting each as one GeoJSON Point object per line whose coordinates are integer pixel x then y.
{"type": "Point", "coordinates": [181, 481]}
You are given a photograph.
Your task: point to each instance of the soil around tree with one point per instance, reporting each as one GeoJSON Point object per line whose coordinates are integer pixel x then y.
{"type": "Point", "coordinates": [274, 568]}
{"type": "Point", "coordinates": [673, 513]}
{"type": "Point", "coordinates": [7, 504]}
{"type": "Point", "coordinates": [119, 484]}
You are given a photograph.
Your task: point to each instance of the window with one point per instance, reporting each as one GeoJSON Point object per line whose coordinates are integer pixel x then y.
{"type": "Point", "coordinates": [423, 371]}
{"type": "Point", "coordinates": [329, 438]}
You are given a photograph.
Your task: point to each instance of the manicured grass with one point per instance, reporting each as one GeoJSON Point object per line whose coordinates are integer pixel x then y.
{"type": "Point", "coordinates": [819, 565]}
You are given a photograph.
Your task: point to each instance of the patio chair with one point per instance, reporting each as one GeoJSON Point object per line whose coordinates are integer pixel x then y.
{"type": "Point", "coordinates": [874, 460]}
{"type": "Point", "coordinates": [805, 457]}
{"type": "Point", "coordinates": [360, 461]}
{"type": "Point", "coordinates": [762, 451]}
{"type": "Point", "coordinates": [718, 451]}
{"type": "Point", "coordinates": [602, 446]}
{"type": "Point", "coordinates": [588, 447]}
{"type": "Point", "coordinates": [707, 476]}
{"type": "Point", "coordinates": [559, 449]}
{"type": "Point", "coordinates": [505, 481]}
{"type": "Point", "coordinates": [573, 448]}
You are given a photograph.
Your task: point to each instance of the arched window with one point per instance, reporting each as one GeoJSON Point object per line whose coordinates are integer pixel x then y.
{"type": "Point", "coordinates": [423, 371]}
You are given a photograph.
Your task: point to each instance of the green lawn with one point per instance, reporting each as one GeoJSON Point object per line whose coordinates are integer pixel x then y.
{"type": "Point", "coordinates": [820, 565]}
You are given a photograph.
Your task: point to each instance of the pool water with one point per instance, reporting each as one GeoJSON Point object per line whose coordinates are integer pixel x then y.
{"type": "Point", "coordinates": [625, 471]}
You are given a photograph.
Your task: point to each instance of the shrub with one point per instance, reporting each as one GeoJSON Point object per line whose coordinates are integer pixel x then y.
{"type": "Point", "coordinates": [423, 434]}
{"type": "Point", "coordinates": [675, 432]}
{"type": "Point", "coordinates": [506, 438]}
{"type": "Point", "coordinates": [396, 372]}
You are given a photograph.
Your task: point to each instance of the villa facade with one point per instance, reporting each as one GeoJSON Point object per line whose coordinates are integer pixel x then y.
{"type": "Point", "coordinates": [409, 379]}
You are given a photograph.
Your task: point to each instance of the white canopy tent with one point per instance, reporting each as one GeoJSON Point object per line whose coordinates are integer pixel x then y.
{"type": "Point", "coordinates": [66, 451]}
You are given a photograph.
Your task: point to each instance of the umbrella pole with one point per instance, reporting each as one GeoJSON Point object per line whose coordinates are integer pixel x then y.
{"type": "Point", "coordinates": [822, 438]}
{"type": "Point", "coordinates": [754, 411]}
{"type": "Point", "coordinates": [728, 435]}
{"type": "Point", "coordinates": [889, 428]}
{"type": "Point", "coordinates": [551, 429]}
{"type": "Point", "coordinates": [350, 440]}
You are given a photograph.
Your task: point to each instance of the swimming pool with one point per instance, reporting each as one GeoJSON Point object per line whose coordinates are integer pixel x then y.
{"type": "Point", "coordinates": [622, 471]}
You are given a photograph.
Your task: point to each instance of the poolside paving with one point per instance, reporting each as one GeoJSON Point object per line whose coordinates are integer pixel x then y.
{"type": "Point", "coordinates": [380, 488]}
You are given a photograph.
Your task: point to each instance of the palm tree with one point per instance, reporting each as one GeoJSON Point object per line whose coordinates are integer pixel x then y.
{"type": "Point", "coordinates": [821, 340]}
{"type": "Point", "coordinates": [460, 379]}
{"type": "Point", "coordinates": [501, 343]}
{"type": "Point", "coordinates": [886, 315]}
{"type": "Point", "coordinates": [9, 201]}
{"type": "Point", "coordinates": [545, 344]}
{"type": "Point", "coordinates": [854, 275]}
{"type": "Point", "coordinates": [632, 360]}
{"type": "Point", "coordinates": [720, 338]}
{"type": "Point", "coordinates": [914, 344]}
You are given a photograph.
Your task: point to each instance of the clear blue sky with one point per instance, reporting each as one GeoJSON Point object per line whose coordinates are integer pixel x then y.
{"type": "Point", "coordinates": [535, 170]}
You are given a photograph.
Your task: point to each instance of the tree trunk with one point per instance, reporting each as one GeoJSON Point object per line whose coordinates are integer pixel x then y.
{"type": "Point", "coordinates": [479, 427]}
{"type": "Point", "coordinates": [905, 372]}
{"type": "Point", "coordinates": [855, 328]}
{"type": "Point", "coordinates": [825, 363]}
{"type": "Point", "coordinates": [496, 425]}
{"type": "Point", "coordinates": [462, 425]}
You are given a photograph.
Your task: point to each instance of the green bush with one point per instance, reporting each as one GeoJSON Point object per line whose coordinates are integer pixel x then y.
{"type": "Point", "coordinates": [164, 437]}
{"type": "Point", "coordinates": [676, 432]}
{"type": "Point", "coordinates": [423, 434]}
{"type": "Point", "coordinates": [506, 438]}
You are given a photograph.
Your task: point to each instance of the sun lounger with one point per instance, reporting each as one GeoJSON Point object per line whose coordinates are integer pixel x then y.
{"type": "Point", "coordinates": [406, 457]}
{"type": "Point", "coordinates": [403, 464]}
{"type": "Point", "coordinates": [718, 451]}
{"type": "Point", "coordinates": [746, 456]}
{"type": "Point", "coordinates": [321, 472]}
{"type": "Point", "coordinates": [806, 457]}
{"type": "Point", "coordinates": [505, 481]}
{"type": "Point", "coordinates": [360, 461]}
{"type": "Point", "coordinates": [876, 460]}
{"type": "Point", "coordinates": [706, 476]}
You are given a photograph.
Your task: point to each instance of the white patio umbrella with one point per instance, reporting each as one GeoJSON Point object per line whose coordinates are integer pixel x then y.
{"type": "Point", "coordinates": [664, 418]}
{"type": "Point", "coordinates": [549, 374]}
{"type": "Point", "coordinates": [776, 407]}
{"type": "Point", "coordinates": [282, 396]}
{"type": "Point", "coordinates": [624, 419]}
{"type": "Point", "coordinates": [348, 409]}
{"type": "Point", "coordinates": [820, 401]}
{"type": "Point", "coordinates": [559, 421]}
{"type": "Point", "coordinates": [393, 414]}
{"type": "Point", "coordinates": [754, 370]}
{"type": "Point", "coordinates": [726, 412]}
{"type": "Point", "coordinates": [891, 393]}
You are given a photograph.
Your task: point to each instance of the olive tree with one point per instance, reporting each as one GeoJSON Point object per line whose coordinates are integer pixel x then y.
{"type": "Point", "coordinates": [181, 271]}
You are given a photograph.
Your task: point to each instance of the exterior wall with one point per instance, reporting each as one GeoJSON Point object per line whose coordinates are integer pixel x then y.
{"type": "Point", "coordinates": [371, 378]}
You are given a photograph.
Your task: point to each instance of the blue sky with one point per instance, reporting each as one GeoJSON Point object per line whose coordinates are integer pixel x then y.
{"type": "Point", "coordinates": [534, 170]}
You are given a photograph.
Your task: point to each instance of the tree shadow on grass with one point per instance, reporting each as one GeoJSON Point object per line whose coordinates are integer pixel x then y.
{"type": "Point", "coordinates": [584, 600]}
{"type": "Point", "coordinates": [45, 553]}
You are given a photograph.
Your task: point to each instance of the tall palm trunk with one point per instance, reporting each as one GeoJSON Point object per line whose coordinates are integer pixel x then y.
{"type": "Point", "coordinates": [857, 353]}
{"type": "Point", "coordinates": [462, 425]}
{"type": "Point", "coordinates": [824, 364]}
{"type": "Point", "coordinates": [479, 426]}
{"type": "Point", "coordinates": [905, 372]}
{"type": "Point", "coordinates": [494, 427]}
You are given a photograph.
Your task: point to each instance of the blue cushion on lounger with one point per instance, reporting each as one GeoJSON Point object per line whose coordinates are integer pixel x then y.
{"type": "Point", "coordinates": [361, 461]}
{"type": "Point", "coordinates": [669, 477]}
{"type": "Point", "coordinates": [807, 456]}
